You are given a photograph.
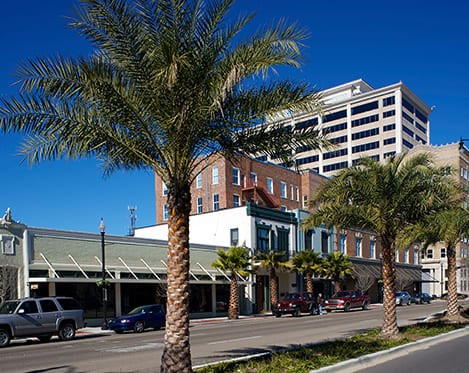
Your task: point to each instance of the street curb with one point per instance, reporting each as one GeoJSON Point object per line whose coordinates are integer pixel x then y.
{"type": "Point", "coordinates": [366, 361]}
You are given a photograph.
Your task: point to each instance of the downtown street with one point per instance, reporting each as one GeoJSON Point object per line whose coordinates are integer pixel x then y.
{"type": "Point", "coordinates": [211, 341]}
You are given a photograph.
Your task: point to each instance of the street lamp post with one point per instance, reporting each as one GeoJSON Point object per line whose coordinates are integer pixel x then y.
{"type": "Point", "coordinates": [442, 268]}
{"type": "Point", "coordinates": [102, 229]}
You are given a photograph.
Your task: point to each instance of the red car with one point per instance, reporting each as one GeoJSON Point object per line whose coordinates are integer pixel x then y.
{"type": "Point", "coordinates": [295, 304]}
{"type": "Point", "coordinates": [346, 300]}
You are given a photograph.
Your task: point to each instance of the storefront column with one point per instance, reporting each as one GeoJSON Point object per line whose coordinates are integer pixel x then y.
{"type": "Point", "coordinates": [117, 291]}
{"type": "Point", "coordinates": [52, 292]}
{"type": "Point", "coordinates": [214, 299]}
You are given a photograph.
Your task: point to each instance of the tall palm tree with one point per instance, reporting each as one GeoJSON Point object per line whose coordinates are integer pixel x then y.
{"type": "Point", "coordinates": [337, 266]}
{"type": "Point", "coordinates": [448, 227]}
{"type": "Point", "coordinates": [235, 260]}
{"type": "Point", "coordinates": [307, 262]}
{"type": "Point", "coordinates": [171, 83]}
{"type": "Point", "coordinates": [384, 198]}
{"type": "Point", "coordinates": [272, 261]}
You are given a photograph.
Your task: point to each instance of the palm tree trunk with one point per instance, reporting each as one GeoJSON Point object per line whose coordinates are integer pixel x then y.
{"type": "Point", "coordinates": [176, 353]}
{"type": "Point", "coordinates": [452, 301]}
{"type": "Point", "coordinates": [336, 284]}
{"type": "Point", "coordinates": [309, 282]}
{"type": "Point", "coordinates": [389, 328]}
{"type": "Point", "coordinates": [273, 289]}
{"type": "Point", "coordinates": [233, 312]}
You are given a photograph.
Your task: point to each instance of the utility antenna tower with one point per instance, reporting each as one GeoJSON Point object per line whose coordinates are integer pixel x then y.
{"type": "Point", "coordinates": [133, 219]}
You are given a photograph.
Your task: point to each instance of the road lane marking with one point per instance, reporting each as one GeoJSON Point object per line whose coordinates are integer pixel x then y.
{"type": "Point", "coordinates": [234, 340]}
{"type": "Point", "coordinates": [147, 346]}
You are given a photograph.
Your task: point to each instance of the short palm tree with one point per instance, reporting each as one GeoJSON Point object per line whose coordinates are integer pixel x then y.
{"type": "Point", "coordinates": [308, 263]}
{"type": "Point", "coordinates": [272, 261]}
{"type": "Point", "coordinates": [337, 267]}
{"type": "Point", "coordinates": [448, 227]}
{"type": "Point", "coordinates": [171, 83]}
{"type": "Point", "coordinates": [235, 260]}
{"type": "Point", "coordinates": [384, 198]}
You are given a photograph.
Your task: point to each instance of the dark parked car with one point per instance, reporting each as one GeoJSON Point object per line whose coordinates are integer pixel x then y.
{"type": "Point", "coordinates": [296, 303]}
{"type": "Point", "coordinates": [459, 296]}
{"type": "Point", "coordinates": [421, 298]}
{"type": "Point", "coordinates": [139, 319]}
{"type": "Point", "coordinates": [346, 300]}
{"type": "Point", "coordinates": [402, 297]}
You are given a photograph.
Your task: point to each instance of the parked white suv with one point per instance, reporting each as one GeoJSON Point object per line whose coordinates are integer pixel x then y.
{"type": "Point", "coordinates": [41, 318]}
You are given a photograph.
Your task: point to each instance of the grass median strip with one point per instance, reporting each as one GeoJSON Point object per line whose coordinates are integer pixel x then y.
{"type": "Point", "coordinates": [316, 356]}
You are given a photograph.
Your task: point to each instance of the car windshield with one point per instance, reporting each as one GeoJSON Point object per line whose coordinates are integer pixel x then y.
{"type": "Point", "coordinates": [142, 309]}
{"type": "Point", "coordinates": [8, 307]}
{"type": "Point", "coordinates": [341, 294]}
{"type": "Point", "coordinates": [291, 296]}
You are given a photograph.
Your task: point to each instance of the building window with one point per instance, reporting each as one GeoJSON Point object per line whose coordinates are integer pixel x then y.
{"type": "Point", "coordinates": [8, 244]}
{"type": "Point", "coordinates": [334, 116]}
{"type": "Point", "coordinates": [263, 241]}
{"type": "Point", "coordinates": [164, 188]}
{"type": "Point", "coordinates": [253, 178]}
{"type": "Point", "coordinates": [396, 255]}
{"type": "Point", "coordinates": [216, 202]}
{"type": "Point", "coordinates": [443, 252]}
{"type": "Point", "coordinates": [236, 200]}
{"type": "Point", "coordinates": [297, 194]}
{"type": "Point", "coordinates": [292, 195]}
{"type": "Point", "coordinates": [342, 242]}
{"type": "Point", "coordinates": [429, 253]}
{"type": "Point", "coordinates": [391, 140]}
{"type": "Point", "coordinates": [406, 256]}
{"type": "Point", "coordinates": [373, 249]}
{"type": "Point", "coordinates": [165, 212]}
{"type": "Point", "coordinates": [389, 127]}
{"type": "Point", "coordinates": [305, 201]}
{"type": "Point", "coordinates": [283, 208]}
{"type": "Point", "coordinates": [282, 239]}
{"type": "Point", "coordinates": [198, 181]}
{"type": "Point", "coordinates": [365, 147]}
{"type": "Point", "coordinates": [309, 239]}
{"type": "Point", "coordinates": [215, 175]}
{"type": "Point", "coordinates": [199, 205]}
{"type": "Point", "coordinates": [358, 246]}
{"type": "Point", "coordinates": [270, 185]}
{"type": "Point", "coordinates": [283, 189]}
{"type": "Point", "coordinates": [416, 255]}
{"type": "Point", "coordinates": [234, 237]}
{"type": "Point", "coordinates": [365, 107]}
{"type": "Point", "coordinates": [324, 242]}
{"type": "Point", "coordinates": [388, 101]}
{"type": "Point", "coordinates": [236, 176]}
{"type": "Point", "coordinates": [335, 166]}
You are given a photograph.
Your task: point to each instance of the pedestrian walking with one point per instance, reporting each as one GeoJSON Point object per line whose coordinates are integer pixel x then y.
{"type": "Point", "coordinates": [320, 301]}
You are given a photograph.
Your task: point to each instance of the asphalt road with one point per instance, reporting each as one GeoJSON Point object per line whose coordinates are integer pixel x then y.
{"type": "Point", "coordinates": [211, 341]}
{"type": "Point", "coordinates": [447, 357]}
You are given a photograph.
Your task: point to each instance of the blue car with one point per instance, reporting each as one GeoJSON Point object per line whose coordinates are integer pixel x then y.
{"type": "Point", "coordinates": [139, 319]}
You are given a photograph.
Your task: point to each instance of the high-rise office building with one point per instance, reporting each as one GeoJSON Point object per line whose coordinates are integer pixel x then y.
{"type": "Point", "coordinates": [363, 121]}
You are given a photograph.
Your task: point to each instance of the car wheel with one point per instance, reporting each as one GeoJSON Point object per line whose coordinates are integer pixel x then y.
{"type": "Point", "coordinates": [44, 338]}
{"type": "Point", "coordinates": [118, 331]}
{"type": "Point", "coordinates": [314, 310]}
{"type": "Point", "coordinates": [66, 332]}
{"type": "Point", "coordinates": [296, 313]}
{"type": "Point", "coordinates": [5, 337]}
{"type": "Point", "coordinates": [347, 307]}
{"type": "Point", "coordinates": [277, 314]}
{"type": "Point", "coordinates": [365, 306]}
{"type": "Point", "coordinates": [139, 327]}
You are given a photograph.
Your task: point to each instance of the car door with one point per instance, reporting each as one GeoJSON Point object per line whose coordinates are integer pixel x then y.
{"type": "Point", "coordinates": [28, 320]}
{"type": "Point", "coordinates": [156, 317]}
{"type": "Point", "coordinates": [50, 314]}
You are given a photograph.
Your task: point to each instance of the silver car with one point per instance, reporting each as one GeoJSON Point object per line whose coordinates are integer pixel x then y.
{"type": "Point", "coordinates": [403, 297]}
{"type": "Point", "coordinates": [41, 318]}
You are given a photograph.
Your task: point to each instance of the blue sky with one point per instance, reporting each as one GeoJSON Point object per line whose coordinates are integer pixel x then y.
{"type": "Point", "coordinates": [425, 44]}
